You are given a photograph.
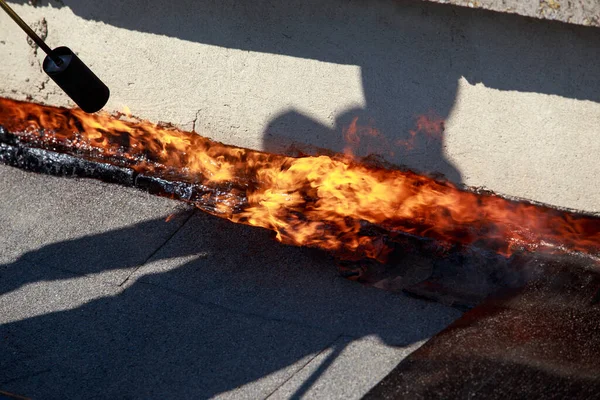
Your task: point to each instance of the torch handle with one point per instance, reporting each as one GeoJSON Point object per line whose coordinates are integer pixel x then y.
{"type": "Point", "coordinates": [38, 40]}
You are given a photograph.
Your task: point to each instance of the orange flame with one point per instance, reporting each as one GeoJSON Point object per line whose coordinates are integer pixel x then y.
{"type": "Point", "coordinates": [352, 137]}
{"type": "Point", "coordinates": [428, 125]}
{"type": "Point", "coordinates": [371, 141]}
{"type": "Point", "coordinates": [310, 201]}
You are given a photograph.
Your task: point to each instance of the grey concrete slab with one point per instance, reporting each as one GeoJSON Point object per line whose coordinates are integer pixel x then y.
{"type": "Point", "coordinates": [51, 290]}
{"type": "Point", "coordinates": [220, 310]}
{"type": "Point", "coordinates": [29, 291]}
{"type": "Point", "coordinates": [243, 268]}
{"type": "Point", "coordinates": [82, 226]}
{"type": "Point", "coordinates": [143, 342]}
{"type": "Point", "coordinates": [362, 362]}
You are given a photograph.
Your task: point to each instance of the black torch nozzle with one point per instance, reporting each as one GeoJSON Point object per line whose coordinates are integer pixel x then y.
{"type": "Point", "coordinates": [67, 71]}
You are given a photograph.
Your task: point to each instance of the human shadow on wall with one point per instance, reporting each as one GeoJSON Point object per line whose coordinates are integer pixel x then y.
{"type": "Point", "coordinates": [411, 55]}
{"type": "Point", "coordinates": [219, 306]}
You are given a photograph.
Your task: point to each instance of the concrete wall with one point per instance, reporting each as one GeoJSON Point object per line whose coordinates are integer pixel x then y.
{"type": "Point", "coordinates": [520, 98]}
{"type": "Point", "coordinates": [582, 12]}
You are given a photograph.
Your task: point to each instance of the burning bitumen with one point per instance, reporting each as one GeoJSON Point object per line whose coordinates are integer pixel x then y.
{"type": "Point", "coordinates": [394, 229]}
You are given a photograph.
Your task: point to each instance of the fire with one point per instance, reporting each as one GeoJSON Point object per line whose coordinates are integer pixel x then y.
{"type": "Point", "coordinates": [428, 125]}
{"type": "Point", "coordinates": [355, 132]}
{"type": "Point", "coordinates": [319, 201]}
{"type": "Point", "coordinates": [365, 138]}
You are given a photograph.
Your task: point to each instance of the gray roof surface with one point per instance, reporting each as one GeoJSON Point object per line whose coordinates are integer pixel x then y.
{"type": "Point", "coordinates": [101, 297]}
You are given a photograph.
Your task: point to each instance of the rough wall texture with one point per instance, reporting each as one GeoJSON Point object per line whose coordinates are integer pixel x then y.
{"type": "Point", "coordinates": [520, 98]}
{"type": "Point", "coordinates": [581, 12]}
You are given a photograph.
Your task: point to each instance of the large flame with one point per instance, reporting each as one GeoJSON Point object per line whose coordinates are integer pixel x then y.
{"type": "Point", "coordinates": [319, 201]}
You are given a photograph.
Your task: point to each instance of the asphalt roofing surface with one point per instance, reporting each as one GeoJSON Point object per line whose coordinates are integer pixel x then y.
{"type": "Point", "coordinates": [110, 292]}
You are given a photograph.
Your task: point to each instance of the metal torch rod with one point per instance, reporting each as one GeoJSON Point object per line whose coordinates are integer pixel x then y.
{"type": "Point", "coordinates": [38, 40]}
